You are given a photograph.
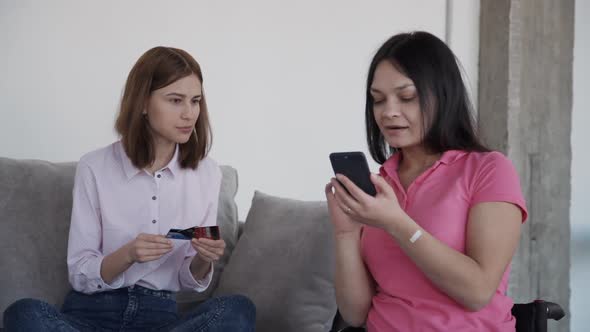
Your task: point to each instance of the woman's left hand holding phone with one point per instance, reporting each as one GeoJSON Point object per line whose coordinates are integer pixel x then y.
{"type": "Point", "coordinates": [383, 210]}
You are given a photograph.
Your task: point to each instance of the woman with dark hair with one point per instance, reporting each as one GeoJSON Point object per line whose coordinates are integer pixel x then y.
{"type": "Point", "coordinates": [126, 197]}
{"type": "Point", "coordinates": [432, 250]}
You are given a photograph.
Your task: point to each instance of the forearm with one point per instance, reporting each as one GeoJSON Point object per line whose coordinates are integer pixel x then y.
{"type": "Point", "coordinates": [199, 268]}
{"type": "Point", "coordinates": [115, 264]}
{"type": "Point", "coordinates": [353, 284]}
{"type": "Point", "coordinates": [456, 274]}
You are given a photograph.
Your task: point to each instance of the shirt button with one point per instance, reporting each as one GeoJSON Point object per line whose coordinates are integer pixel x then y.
{"type": "Point", "coordinates": [159, 176]}
{"type": "Point", "coordinates": [99, 286]}
{"type": "Point", "coordinates": [154, 198]}
{"type": "Point", "coordinates": [154, 221]}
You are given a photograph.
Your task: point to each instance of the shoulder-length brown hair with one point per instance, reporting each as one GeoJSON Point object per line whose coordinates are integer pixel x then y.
{"type": "Point", "coordinates": [155, 69]}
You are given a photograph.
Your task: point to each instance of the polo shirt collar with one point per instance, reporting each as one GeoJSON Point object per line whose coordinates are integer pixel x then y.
{"type": "Point", "coordinates": [448, 157]}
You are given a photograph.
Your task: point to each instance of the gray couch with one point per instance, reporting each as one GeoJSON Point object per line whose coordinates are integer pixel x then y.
{"type": "Point", "coordinates": [281, 257]}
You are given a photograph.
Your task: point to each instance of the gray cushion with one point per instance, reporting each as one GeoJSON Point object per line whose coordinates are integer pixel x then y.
{"type": "Point", "coordinates": [36, 203]}
{"type": "Point", "coordinates": [284, 262]}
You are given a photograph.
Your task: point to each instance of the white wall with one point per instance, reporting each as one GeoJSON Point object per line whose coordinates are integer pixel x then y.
{"type": "Point", "coordinates": [462, 35]}
{"type": "Point", "coordinates": [284, 79]}
{"type": "Point", "coordinates": [580, 206]}
{"type": "Point", "coordinates": [580, 212]}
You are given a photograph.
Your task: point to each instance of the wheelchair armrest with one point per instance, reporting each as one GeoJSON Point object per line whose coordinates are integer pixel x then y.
{"type": "Point", "coordinates": [554, 310]}
{"type": "Point", "coordinates": [339, 325]}
{"type": "Point", "coordinates": [538, 308]}
{"type": "Point", "coordinates": [533, 316]}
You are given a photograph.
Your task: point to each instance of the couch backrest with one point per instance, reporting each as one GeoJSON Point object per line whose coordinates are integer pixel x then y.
{"type": "Point", "coordinates": [35, 210]}
{"type": "Point", "coordinates": [35, 205]}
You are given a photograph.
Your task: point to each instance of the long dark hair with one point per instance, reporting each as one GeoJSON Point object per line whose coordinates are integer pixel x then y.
{"type": "Point", "coordinates": [444, 101]}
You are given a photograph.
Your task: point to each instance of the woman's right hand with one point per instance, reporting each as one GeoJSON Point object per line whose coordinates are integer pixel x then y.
{"type": "Point", "coordinates": [147, 247]}
{"type": "Point", "coordinates": [341, 222]}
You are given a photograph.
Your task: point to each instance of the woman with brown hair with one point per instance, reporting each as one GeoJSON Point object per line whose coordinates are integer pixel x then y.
{"type": "Point", "coordinates": [126, 197]}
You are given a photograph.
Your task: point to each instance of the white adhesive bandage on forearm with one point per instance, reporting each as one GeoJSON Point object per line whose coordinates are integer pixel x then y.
{"type": "Point", "coordinates": [416, 236]}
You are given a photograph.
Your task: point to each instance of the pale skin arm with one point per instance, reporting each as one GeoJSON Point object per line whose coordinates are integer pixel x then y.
{"type": "Point", "coordinates": [149, 247]}
{"type": "Point", "coordinates": [208, 252]}
{"type": "Point", "coordinates": [353, 283]}
{"type": "Point", "coordinates": [144, 248]}
{"type": "Point", "coordinates": [470, 279]}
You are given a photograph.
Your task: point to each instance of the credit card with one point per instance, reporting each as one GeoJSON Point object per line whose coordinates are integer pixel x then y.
{"type": "Point", "coordinates": [209, 232]}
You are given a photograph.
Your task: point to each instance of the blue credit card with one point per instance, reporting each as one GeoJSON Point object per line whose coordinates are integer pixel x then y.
{"type": "Point", "coordinates": [178, 234]}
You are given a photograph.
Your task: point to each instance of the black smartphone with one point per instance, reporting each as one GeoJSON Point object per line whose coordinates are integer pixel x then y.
{"type": "Point", "coordinates": [355, 167]}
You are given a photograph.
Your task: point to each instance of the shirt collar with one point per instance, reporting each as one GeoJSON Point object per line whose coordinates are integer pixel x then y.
{"type": "Point", "coordinates": [451, 156]}
{"type": "Point", "coordinates": [174, 164]}
{"type": "Point", "coordinates": [448, 157]}
{"type": "Point", "coordinates": [130, 170]}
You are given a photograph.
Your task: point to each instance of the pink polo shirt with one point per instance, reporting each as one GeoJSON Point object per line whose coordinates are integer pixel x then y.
{"type": "Point", "coordinates": [113, 202]}
{"type": "Point", "coordinates": [438, 200]}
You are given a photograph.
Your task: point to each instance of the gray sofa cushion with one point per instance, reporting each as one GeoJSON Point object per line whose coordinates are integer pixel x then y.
{"type": "Point", "coordinates": [35, 205]}
{"type": "Point", "coordinates": [284, 262]}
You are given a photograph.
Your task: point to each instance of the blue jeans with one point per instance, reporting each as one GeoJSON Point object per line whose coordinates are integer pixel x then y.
{"type": "Point", "coordinates": [134, 308]}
